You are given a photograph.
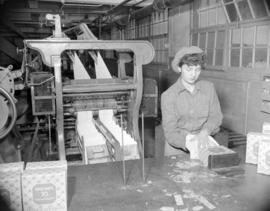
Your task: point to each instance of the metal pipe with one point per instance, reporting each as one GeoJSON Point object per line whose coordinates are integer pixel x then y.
{"type": "Point", "coordinates": [143, 168]}
{"type": "Point", "coordinates": [123, 151]}
{"type": "Point", "coordinates": [163, 4]}
{"type": "Point", "coordinates": [134, 5]}
{"type": "Point", "coordinates": [145, 11]}
{"type": "Point", "coordinates": [117, 6]}
{"type": "Point", "coordinates": [50, 135]}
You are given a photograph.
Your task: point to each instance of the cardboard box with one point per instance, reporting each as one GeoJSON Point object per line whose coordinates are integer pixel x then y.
{"type": "Point", "coordinates": [44, 189]}
{"type": "Point", "coordinates": [46, 165]}
{"type": "Point", "coordinates": [10, 189]}
{"type": "Point", "coordinates": [252, 147]}
{"type": "Point", "coordinates": [15, 166]}
{"type": "Point", "coordinates": [266, 128]}
{"type": "Point", "coordinates": [264, 157]}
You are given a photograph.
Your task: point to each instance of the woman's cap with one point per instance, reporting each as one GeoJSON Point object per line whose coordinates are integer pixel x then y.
{"type": "Point", "coordinates": [181, 53]}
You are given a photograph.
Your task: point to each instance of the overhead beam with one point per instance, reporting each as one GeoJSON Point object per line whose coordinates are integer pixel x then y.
{"type": "Point", "coordinates": [65, 9]}
{"type": "Point", "coordinates": [32, 4]}
{"type": "Point", "coordinates": [102, 2]}
{"type": "Point", "coordinates": [5, 21]}
{"type": "Point", "coordinates": [117, 6]}
{"type": "Point", "coordinates": [9, 49]}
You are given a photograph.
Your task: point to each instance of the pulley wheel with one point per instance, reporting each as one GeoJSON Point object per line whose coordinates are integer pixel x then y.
{"type": "Point", "coordinates": [8, 113]}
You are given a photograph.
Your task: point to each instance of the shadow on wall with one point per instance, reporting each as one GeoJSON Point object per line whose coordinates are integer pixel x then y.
{"type": "Point", "coordinates": [167, 79]}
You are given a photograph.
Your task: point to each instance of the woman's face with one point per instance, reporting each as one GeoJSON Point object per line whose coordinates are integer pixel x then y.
{"type": "Point", "coordinates": [190, 74]}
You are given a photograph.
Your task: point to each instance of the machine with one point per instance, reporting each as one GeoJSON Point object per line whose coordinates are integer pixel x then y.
{"type": "Point", "coordinates": [75, 94]}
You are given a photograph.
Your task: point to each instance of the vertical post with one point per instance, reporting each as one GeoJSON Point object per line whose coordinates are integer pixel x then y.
{"type": "Point", "coordinates": [19, 154]}
{"type": "Point", "coordinates": [143, 169]}
{"type": "Point", "coordinates": [59, 107]}
{"type": "Point", "coordinates": [50, 134]}
{"type": "Point", "coordinates": [123, 151]}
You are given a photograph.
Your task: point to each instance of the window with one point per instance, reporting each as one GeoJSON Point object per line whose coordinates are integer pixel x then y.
{"type": "Point", "coordinates": [159, 35]}
{"type": "Point", "coordinates": [202, 41]}
{"type": "Point", "coordinates": [220, 44]}
{"type": "Point", "coordinates": [212, 16]}
{"type": "Point", "coordinates": [252, 46]}
{"type": "Point", "coordinates": [153, 28]}
{"type": "Point", "coordinates": [142, 28]}
{"type": "Point", "coordinates": [210, 47]}
{"type": "Point", "coordinates": [129, 32]}
{"type": "Point", "coordinates": [244, 9]}
{"type": "Point", "coordinates": [213, 43]}
{"type": "Point", "coordinates": [231, 11]}
{"type": "Point", "coordinates": [248, 39]}
{"type": "Point", "coordinates": [259, 8]}
{"type": "Point", "coordinates": [241, 10]}
{"type": "Point", "coordinates": [262, 34]}
{"type": "Point", "coordinates": [244, 24]}
{"type": "Point", "coordinates": [235, 47]}
{"type": "Point", "coordinates": [195, 39]}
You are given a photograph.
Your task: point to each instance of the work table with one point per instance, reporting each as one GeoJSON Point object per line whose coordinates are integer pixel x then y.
{"type": "Point", "coordinates": [167, 181]}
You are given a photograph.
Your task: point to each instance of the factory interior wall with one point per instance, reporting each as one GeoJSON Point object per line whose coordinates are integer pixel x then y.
{"type": "Point", "coordinates": [239, 92]}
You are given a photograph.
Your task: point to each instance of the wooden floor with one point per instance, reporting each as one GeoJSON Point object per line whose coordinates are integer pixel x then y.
{"type": "Point", "coordinates": [168, 180]}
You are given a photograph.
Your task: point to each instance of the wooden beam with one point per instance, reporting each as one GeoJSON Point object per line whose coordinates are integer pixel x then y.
{"type": "Point", "coordinates": [32, 4]}
{"type": "Point", "coordinates": [9, 49]}
{"type": "Point", "coordinates": [103, 2]}
{"type": "Point", "coordinates": [5, 21]}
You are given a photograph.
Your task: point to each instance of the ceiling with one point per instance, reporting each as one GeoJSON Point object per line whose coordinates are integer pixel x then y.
{"type": "Point", "coordinates": [26, 18]}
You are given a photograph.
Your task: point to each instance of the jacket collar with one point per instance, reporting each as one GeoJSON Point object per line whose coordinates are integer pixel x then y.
{"type": "Point", "coordinates": [181, 88]}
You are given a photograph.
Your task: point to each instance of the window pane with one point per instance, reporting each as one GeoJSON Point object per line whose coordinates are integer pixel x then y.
{"type": "Point", "coordinates": [262, 35]}
{"type": "Point", "coordinates": [221, 16]}
{"type": "Point", "coordinates": [247, 57]}
{"type": "Point", "coordinates": [220, 39]}
{"type": "Point", "coordinates": [235, 55]}
{"type": "Point", "coordinates": [203, 18]}
{"type": "Point", "coordinates": [226, 1]}
{"type": "Point", "coordinates": [232, 13]}
{"type": "Point", "coordinates": [219, 57]}
{"type": "Point", "coordinates": [213, 2]}
{"type": "Point", "coordinates": [244, 9]}
{"type": "Point", "coordinates": [195, 19]}
{"type": "Point", "coordinates": [202, 40]}
{"type": "Point", "coordinates": [260, 57]}
{"type": "Point", "coordinates": [195, 39]}
{"type": "Point", "coordinates": [236, 37]}
{"type": "Point", "coordinates": [212, 17]}
{"type": "Point", "coordinates": [211, 40]}
{"type": "Point", "coordinates": [248, 37]}
{"type": "Point", "coordinates": [203, 3]}
{"type": "Point", "coordinates": [259, 8]}
{"type": "Point", "coordinates": [209, 57]}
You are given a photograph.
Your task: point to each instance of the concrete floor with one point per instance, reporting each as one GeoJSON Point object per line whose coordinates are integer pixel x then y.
{"type": "Point", "coordinates": [101, 186]}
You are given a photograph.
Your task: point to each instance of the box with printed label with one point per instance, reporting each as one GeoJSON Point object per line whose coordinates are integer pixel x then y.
{"type": "Point", "coordinates": [15, 166]}
{"type": "Point", "coordinates": [44, 189]}
{"type": "Point", "coordinates": [10, 189]}
{"type": "Point", "coordinates": [252, 147]}
{"type": "Point", "coordinates": [264, 157]}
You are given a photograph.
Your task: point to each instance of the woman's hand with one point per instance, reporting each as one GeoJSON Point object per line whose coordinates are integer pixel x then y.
{"type": "Point", "coordinates": [203, 140]}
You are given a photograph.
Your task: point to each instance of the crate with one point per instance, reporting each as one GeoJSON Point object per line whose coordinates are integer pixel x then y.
{"type": "Point", "coordinates": [264, 157]}
{"type": "Point", "coordinates": [253, 140]}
